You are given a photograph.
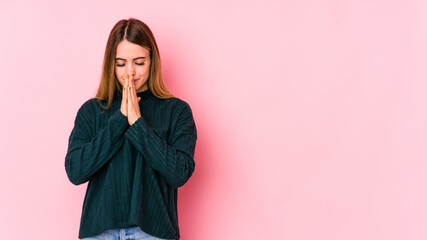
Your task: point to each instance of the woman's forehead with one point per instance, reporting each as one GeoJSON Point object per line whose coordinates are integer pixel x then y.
{"type": "Point", "coordinates": [128, 50]}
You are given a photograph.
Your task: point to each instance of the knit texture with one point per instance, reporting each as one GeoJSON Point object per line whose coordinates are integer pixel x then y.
{"type": "Point", "coordinates": [133, 171]}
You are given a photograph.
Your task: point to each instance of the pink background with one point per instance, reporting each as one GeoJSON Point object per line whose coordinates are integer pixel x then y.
{"type": "Point", "coordinates": [311, 115]}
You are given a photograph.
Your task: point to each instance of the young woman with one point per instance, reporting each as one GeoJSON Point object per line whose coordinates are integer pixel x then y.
{"type": "Point", "coordinates": [134, 143]}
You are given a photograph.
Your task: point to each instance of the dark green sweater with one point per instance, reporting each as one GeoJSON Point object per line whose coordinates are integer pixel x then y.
{"type": "Point", "coordinates": [133, 171]}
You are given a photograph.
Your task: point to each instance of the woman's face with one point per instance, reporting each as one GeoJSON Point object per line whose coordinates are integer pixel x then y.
{"type": "Point", "coordinates": [133, 59]}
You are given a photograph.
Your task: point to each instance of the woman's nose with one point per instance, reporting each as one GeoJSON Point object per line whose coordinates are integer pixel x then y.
{"type": "Point", "coordinates": [131, 70]}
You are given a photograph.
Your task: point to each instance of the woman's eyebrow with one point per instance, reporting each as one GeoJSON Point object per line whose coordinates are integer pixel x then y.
{"type": "Point", "coordinates": [133, 59]}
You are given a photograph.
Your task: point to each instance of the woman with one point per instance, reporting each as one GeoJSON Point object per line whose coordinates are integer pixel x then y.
{"type": "Point", "coordinates": [134, 143]}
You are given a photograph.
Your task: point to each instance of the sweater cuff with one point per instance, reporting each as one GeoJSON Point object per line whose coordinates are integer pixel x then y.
{"type": "Point", "coordinates": [137, 126]}
{"type": "Point", "coordinates": [137, 134]}
{"type": "Point", "coordinates": [119, 121]}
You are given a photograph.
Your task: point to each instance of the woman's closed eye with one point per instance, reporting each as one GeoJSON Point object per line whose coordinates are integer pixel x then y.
{"type": "Point", "coordinates": [122, 65]}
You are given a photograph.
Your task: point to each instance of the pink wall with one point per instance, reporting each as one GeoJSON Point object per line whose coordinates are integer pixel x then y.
{"type": "Point", "coordinates": [311, 115]}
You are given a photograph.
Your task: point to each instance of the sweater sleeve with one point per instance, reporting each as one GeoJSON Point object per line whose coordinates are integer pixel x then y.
{"type": "Point", "coordinates": [86, 154]}
{"type": "Point", "coordinates": [173, 159]}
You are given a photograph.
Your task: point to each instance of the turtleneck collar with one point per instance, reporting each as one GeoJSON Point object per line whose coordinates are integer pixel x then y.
{"type": "Point", "coordinates": [144, 94]}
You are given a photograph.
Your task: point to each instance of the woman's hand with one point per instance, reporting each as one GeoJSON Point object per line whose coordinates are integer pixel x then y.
{"type": "Point", "coordinates": [133, 110]}
{"type": "Point", "coordinates": [124, 106]}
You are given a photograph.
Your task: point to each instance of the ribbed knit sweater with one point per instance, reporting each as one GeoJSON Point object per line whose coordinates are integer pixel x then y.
{"type": "Point", "coordinates": [133, 171]}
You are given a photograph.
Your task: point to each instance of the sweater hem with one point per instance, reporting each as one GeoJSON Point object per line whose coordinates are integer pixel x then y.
{"type": "Point", "coordinates": [93, 234]}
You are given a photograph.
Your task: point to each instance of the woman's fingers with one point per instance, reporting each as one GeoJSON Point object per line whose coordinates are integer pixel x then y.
{"type": "Point", "coordinates": [133, 90]}
{"type": "Point", "coordinates": [132, 94]}
{"type": "Point", "coordinates": [124, 104]}
{"type": "Point", "coordinates": [129, 90]}
{"type": "Point", "coordinates": [126, 88]}
{"type": "Point", "coordinates": [133, 106]}
{"type": "Point", "coordinates": [128, 93]}
{"type": "Point", "coordinates": [135, 97]}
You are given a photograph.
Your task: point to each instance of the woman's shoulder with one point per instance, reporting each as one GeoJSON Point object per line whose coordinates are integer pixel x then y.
{"type": "Point", "coordinates": [86, 107]}
{"type": "Point", "coordinates": [99, 105]}
{"type": "Point", "coordinates": [91, 105]}
{"type": "Point", "coordinates": [177, 104]}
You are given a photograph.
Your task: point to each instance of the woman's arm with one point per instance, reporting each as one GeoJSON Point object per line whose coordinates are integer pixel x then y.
{"type": "Point", "coordinates": [173, 159]}
{"type": "Point", "coordinates": [86, 154]}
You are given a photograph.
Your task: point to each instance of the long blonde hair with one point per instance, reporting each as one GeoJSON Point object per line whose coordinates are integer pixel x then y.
{"type": "Point", "coordinates": [137, 32]}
